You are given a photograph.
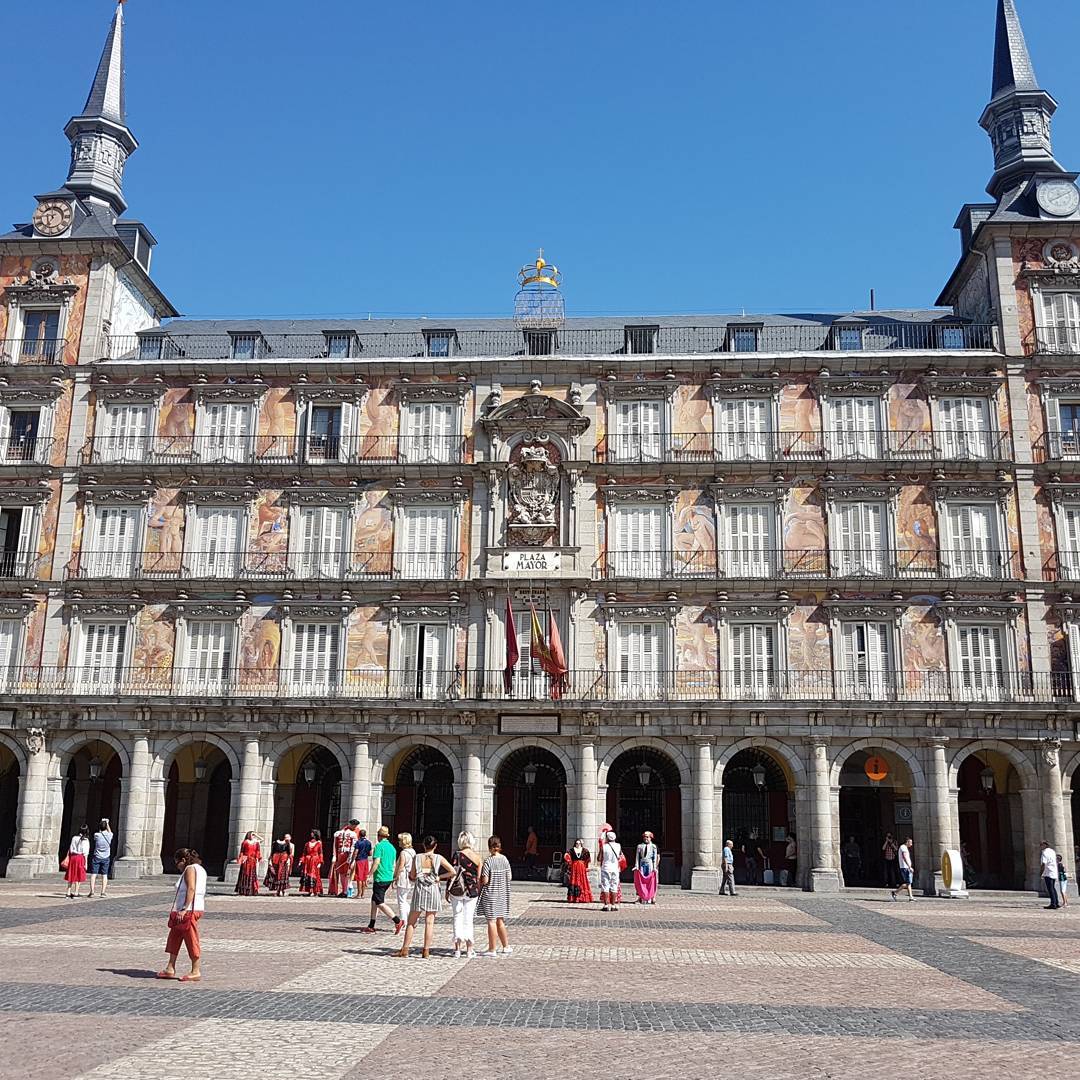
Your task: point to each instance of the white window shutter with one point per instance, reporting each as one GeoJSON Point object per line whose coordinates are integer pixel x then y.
{"type": "Point", "coordinates": [424, 552]}
{"type": "Point", "coordinates": [322, 542]}
{"type": "Point", "coordinates": [127, 428]}
{"type": "Point", "coordinates": [115, 529]}
{"type": "Point", "coordinates": [315, 655]}
{"type": "Point", "coordinates": [228, 431]}
{"type": "Point", "coordinates": [103, 653]}
{"type": "Point", "coordinates": [750, 535]}
{"type": "Point", "coordinates": [435, 641]}
{"type": "Point", "coordinates": [972, 536]}
{"type": "Point", "coordinates": [217, 534]}
{"type": "Point", "coordinates": [209, 651]}
{"type": "Point", "coordinates": [10, 640]}
{"type": "Point", "coordinates": [1070, 549]}
{"type": "Point", "coordinates": [410, 658]}
{"type": "Point", "coordinates": [639, 541]}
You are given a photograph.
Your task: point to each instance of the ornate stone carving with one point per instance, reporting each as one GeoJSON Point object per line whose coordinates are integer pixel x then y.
{"type": "Point", "coordinates": [234, 496]}
{"type": "Point", "coordinates": [850, 385]}
{"type": "Point", "coordinates": [836, 491]}
{"type": "Point", "coordinates": [35, 740]}
{"type": "Point", "coordinates": [467, 719]}
{"type": "Point", "coordinates": [453, 393]}
{"type": "Point", "coordinates": [640, 389]}
{"type": "Point", "coordinates": [533, 482]}
{"type": "Point", "coordinates": [28, 496]}
{"type": "Point", "coordinates": [320, 496]}
{"type": "Point", "coordinates": [15, 609]}
{"type": "Point", "coordinates": [1050, 750]}
{"type": "Point", "coordinates": [590, 719]}
{"type": "Point", "coordinates": [30, 395]}
{"type": "Point", "coordinates": [229, 392]}
{"type": "Point", "coordinates": [425, 611]}
{"type": "Point", "coordinates": [147, 393]}
{"type": "Point", "coordinates": [771, 612]}
{"type": "Point", "coordinates": [722, 493]}
{"type": "Point", "coordinates": [425, 496]}
{"type": "Point", "coordinates": [965, 385]}
{"type": "Point", "coordinates": [538, 414]}
{"type": "Point", "coordinates": [114, 495]}
{"type": "Point", "coordinates": [332, 392]}
{"type": "Point", "coordinates": [105, 609]}
{"type": "Point", "coordinates": [225, 609]}
{"type": "Point", "coordinates": [727, 388]}
{"type": "Point", "coordinates": [839, 609]}
{"type": "Point", "coordinates": [640, 493]}
{"type": "Point", "coordinates": [952, 609]}
{"type": "Point", "coordinates": [989, 491]}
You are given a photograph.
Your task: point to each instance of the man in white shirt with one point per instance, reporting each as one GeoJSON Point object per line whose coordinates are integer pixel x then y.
{"type": "Point", "coordinates": [1048, 867]}
{"type": "Point", "coordinates": [727, 869]}
{"type": "Point", "coordinates": [101, 856]}
{"type": "Point", "coordinates": [906, 868]}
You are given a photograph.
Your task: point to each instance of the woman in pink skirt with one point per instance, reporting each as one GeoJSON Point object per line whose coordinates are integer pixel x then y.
{"type": "Point", "coordinates": [78, 850]}
{"type": "Point", "coordinates": [646, 865]}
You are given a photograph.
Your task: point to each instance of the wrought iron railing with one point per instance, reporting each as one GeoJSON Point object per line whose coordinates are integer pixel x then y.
{"type": "Point", "coordinates": [25, 450]}
{"type": "Point", "coordinates": [31, 350]}
{"type": "Point", "coordinates": [327, 565]}
{"type": "Point", "coordinates": [1057, 340]}
{"type": "Point", "coordinates": [876, 334]}
{"type": "Point", "coordinates": [938, 686]}
{"type": "Point", "coordinates": [1062, 566]}
{"type": "Point", "coordinates": [1057, 446]}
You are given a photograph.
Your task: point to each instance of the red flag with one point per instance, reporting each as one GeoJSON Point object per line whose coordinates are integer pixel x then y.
{"type": "Point", "coordinates": [556, 660]}
{"type": "Point", "coordinates": [512, 652]}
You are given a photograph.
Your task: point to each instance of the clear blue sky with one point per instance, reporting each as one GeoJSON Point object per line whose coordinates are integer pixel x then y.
{"type": "Point", "coordinates": [331, 156]}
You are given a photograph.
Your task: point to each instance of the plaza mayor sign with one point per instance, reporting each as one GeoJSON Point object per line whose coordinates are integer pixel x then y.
{"type": "Point", "coordinates": [531, 561]}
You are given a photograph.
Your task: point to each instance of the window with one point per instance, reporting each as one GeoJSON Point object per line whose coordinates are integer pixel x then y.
{"type": "Point", "coordinates": [424, 551]}
{"type": "Point", "coordinates": [339, 344]}
{"type": "Point", "coordinates": [637, 548]}
{"type": "Point", "coordinates": [1061, 325]}
{"type": "Point", "coordinates": [980, 656]}
{"type": "Point", "coordinates": [751, 538]}
{"type": "Point", "coordinates": [860, 539]}
{"type": "Point", "coordinates": [638, 434]}
{"type": "Point", "coordinates": [152, 347]}
{"type": "Point", "coordinates": [102, 661]}
{"type": "Point", "coordinates": [866, 662]}
{"type": "Point", "coordinates": [227, 431]}
{"type": "Point", "coordinates": [427, 670]}
{"type": "Point", "coordinates": [16, 541]}
{"type": "Point", "coordinates": [19, 430]}
{"type": "Point", "coordinates": [116, 539]}
{"type": "Point", "coordinates": [217, 551]}
{"type": "Point", "coordinates": [963, 428]}
{"type": "Point", "coordinates": [952, 337]}
{"type": "Point", "coordinates": [744, 429]}
{"type": "Point", "coordinates": [539, 342]}
{"type": "Point", "coordinates": [641, 339]}
{"type": "Point", "coordinates": [10, 650]}
{"type": "Point", "coordinates": [246, 346]}
{"type": "Point", "coordinates": [1069, 542]}
{"type": "Point", "coordinates": [321, 551]}
{"type": "Point", "coordinates": [324, 433]}
{"type": "Point", "coordinates": [315, 656]}
{"type": "Point", "coordinates": [1069, 424]}
{"type": "Point", "coordinates": [640, 659]}
{"type": "Point", "coordinates": [854, 428]}
{"type": "Point", "coordinates": [126, 433]}
{"type": "Point", "coordinates": [209, 654]}
{"type": "Point", "coordinates": [743, 338]}
{"type": "Point", "coordinates": [438, 342]}
{"type": "Point", "coordinates": [848, 338]}
{"type": "Point", "coordinates": [973, 549]}
{"type": "Point", "coordinates": [753, 659]}
{"type": "Point", "coordinates": [41, 330]}
{"type": "Point", "coordinates": [429, 429]}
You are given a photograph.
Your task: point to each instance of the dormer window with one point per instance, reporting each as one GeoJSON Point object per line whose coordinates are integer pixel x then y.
{"type": "Point", "coordinates": [539, 342]}
{"type": "Point", "coordinates": [439, 342]}
{"type": "Point", "coordinates": [340, 344]}
{"type": "Point", "coordinates": [641, 340]}
{"type": "Point", "coordinates": [952, 337]}
{"type": "Point", "coordinates": [246, 346]}
{"type": "Point", "coordinates": [743, 339]}
{"type": "Point", "coordinates": [152, 347]}
{"type": "Point", "coordinates": [848, 338]}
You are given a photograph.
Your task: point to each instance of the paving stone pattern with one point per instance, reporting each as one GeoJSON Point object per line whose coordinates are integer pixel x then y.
{"type": "Point", "coordinates": [777, 985]}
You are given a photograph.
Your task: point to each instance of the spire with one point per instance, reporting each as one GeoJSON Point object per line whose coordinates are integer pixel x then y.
{"type": "Point", "coordinates": [1012, 61]}
{"type": "Point", "coordinates": [100, 139]}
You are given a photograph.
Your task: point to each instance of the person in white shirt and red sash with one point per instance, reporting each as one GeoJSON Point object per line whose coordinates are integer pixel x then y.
{"type": "Point", "coordinates": [341, 869]}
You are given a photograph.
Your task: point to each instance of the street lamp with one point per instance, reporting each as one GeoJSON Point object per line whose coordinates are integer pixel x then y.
{"type": "Point", "coordinates": [986, 778]}
{"type": "Point", "coordinates": [418, 771]}
{"type": "Point", "coordinates": [200, 770]}
{"type": "Point", "coordinates": [529, 774]}
{"type": "Point", "coordinates": [309, 771]}
{"type": "Point", "coordinates": [644, 774]}
{"type": "Point", "coordinates": [95, 768]}
{"type": "Point", "coordinates": [758, 773]}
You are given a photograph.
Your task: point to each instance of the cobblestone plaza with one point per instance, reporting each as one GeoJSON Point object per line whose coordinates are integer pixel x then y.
{"type": "Point", "coordinates": [770, 984]}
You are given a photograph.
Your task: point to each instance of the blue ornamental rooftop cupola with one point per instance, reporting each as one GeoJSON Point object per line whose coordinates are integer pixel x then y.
{"type": "Point", "coordinates": [101, 141]}
{"type": "Point", "coordinates": [1018, 116]}
{"type": "Point", "coordinates": [539, 303]}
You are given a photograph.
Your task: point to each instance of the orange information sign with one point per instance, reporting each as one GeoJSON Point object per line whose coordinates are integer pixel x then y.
{"type": "Point", "coordinates": [877, 768]}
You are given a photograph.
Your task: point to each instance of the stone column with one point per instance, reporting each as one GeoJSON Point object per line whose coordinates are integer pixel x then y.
{"type": "Point", "coordinates": [1053, 805]}
{"type": "Point", "coordinates": [823, 876]}
{"type": "Point", "coordinates": [133, 804]}
{"type": "Point", "coordinates": [587, 824]}
{"type": "Point", "coordinates": [31, 857]}
{"type": "Point", "coordinates": [360, 792]}
{"type": "Point", "coordinates": [247, 802]}
{"type": "Point", "coordinates": [703, 877]}
{"type": "Point", "coordinates": [472, 810]}
{"type": "Point", "coordinates": [1032, 806]}
{"type": "Point", "coordinates": [940, 810]}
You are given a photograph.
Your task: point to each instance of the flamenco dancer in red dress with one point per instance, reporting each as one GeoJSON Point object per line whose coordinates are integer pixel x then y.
{"type": "Point", "coordinates": [576, 871]}
{"type": "Point", "coordinates": [247, 884]}
{"type": "Point", "coordinates": [311, 866]}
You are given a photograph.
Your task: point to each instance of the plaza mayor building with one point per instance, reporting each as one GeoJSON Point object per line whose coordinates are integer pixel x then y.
{"type": "Point", "coordinates": [808, 576]}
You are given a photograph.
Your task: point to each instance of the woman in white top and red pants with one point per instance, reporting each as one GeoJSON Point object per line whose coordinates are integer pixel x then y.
{"type": "Point", "coordinates": [186, 912]}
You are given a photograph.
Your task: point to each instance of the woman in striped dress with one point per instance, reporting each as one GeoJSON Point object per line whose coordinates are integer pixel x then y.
{"type": "Point", "coordinates": [494, 903]}
{"type": "Point", "coordinates": [429, 871]}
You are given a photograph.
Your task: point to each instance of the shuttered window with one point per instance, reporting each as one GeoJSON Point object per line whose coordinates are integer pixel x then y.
{"type": "Point", "coordinates": [866, 659]}
{"type": "Point", "coordinates": [964, 428]}
{"type": "Point", "coordinates": [973, 543]}
{"type": "Point", "coordinates": [117, 533]}
{"type": "Point", "coordinates": [227, 432]}
{"type": "Point", "coordinates": [426, 660]}
{"type": "Point", "coordinates": [429, 429]}
{"type": "Point", "coordinates": [315, 656]}
{"type": "Point", "coordinates": [854, 427]}
{"type": "Point", "coordinates": [1069, 544]}
{"type": "Point", "coordinates": [216, 553]}
{"type": "Point", "coordinates": [981, 655]}
{"type": "Point", "coordinates": [638, 550]}
{"type": "Point", "coordinates": [10, 649]}
{"type": "Point", "coordinates": [753, 659]}
{"type": "Point", "coordinates": [1061, 328]}
{"type": "Point", "coordinates": [209, 656]}
{"type": "Point", "coordinates": [424, 551]}
{"type": "Point", "coordinates": [103, 654]}
{"type": "Point", "coordinates": [638, 434]}
{"type": "Point", "coordinates": [744, 430]}
{"type": "Point", "coordinates": [751, 542]}
{"type": "Point", "coordinates": [860, 539]}
{"type": "Point", "coordinates": [321, 552]}
{"type": "Point", "coordinates": [640, 660]}
{"type": "Point", "coordinates": [127, 433]}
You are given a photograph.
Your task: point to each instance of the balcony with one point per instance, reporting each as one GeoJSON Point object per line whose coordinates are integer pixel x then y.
{"type": "Point", "coordinates": [15, 565]}
{"type": "Point", "coordinates": [1058, 447]}
{"type": "Point", "coordinates": [25, 450]}
{"type": "Point", "coordinates": [1061, 340]}
{"type": "Point", "coordinates": [873, 335]}
{"type": "Point", "coordinates": [920, 687]}
{"type": "Point", "coordinates": [1062, 566]}
{"type": "Point", "coordinates": [328, 565]}
{"type": "Point", "coordinates": [32, 350]}
{"type": "Point", "coordinates": [798, 446]}
{"type": "Point", "coordinates": [272, 450]}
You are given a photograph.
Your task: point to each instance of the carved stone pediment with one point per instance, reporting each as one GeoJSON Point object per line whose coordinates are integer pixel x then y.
{"type": "Point", "coordinates": [230, 496]}
{"type": "Point", "coordinates": [447, 392]}
{"type": "Point", "coordinates": [113, 609]}
{"type": "Point", "coordinates": [426, 611]}
{"type": "Point", "coordinates": [729, 493]}
{"type": "Point", "coordinates": [325, 610]}
{"type": "Point", "coordinates": [666, 612]}
{"type": "Point", "coordinates": [332, 393]}
{"type": "Point", "coordinates": [24, 496]}
{"type": "Point", "coordinates": [229, 392]}
{"type": "Point", "coordinates": [666, 493]}
{"type": "Point", "coordinates": [220, 609]}
{"type": "Point", "coordinates": [1059, 384]}
{"type": "Point", "coordinates": [406, 496]}
{"type": "Point", "coordinates": [116, 495]}
{"type": "Point", "coordinates": [15, 609]}
{"type": "Point", "coordinates": [639, 389]}
{"type": "Point", "coordinates": [961, 385]}
{"type": "Point", "coordinates": [721, 389]}
{"type": "Point", "coordinates": [136, 393]}
{"type": "Point", "coordinates": [851, 385]}
{"type": "Point", "coordinates": [42, 286]}
{"type": "Point", "coordinates": [536, 413]}
{"type": "Point", "coordinates": [321, 496]}
{"type": "Point", "coordinates": [979, 610]}
{"type": "Point", "coordinates": [880, 610]}
{"type": "Point", "coordinates": [841, 490]}
{"type": "Point", "coordinates": [765, 611]}
{"type": "Point", "coordinates": [43, 394]}
{"type": "Point", "coordinates": [987, 492]}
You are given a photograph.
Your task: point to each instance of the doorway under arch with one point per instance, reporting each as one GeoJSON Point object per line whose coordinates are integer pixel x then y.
{"type": "Point", "coordinates": [645, 792]}
{"type": "Point", "coordinates": [9, 805]}
{"type": "Point", "coordinates": [198, 795]}
{"type": "Point", "coordinates": [308, 796]}
{"type": "Point", "coordinates": [991, 814]}
{"type": "Point", "coordinates": [423, 796]}
{"type": "Point", "coordinates": [759, 813]}
{"type": "Point", "coordinates": [530, 789]}
{"type": "Point", "coordinates": [92, 788]}
{"type": "Point", "coordinates": [875, 800]}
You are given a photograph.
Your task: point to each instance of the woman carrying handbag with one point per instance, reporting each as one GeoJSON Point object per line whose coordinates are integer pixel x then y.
{"type": "Point", "coordinates": [429, 871]}
{"type": "Point", "coordinates": [463, 892]}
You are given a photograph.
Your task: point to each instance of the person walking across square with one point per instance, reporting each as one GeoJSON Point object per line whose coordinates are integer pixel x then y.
{"type": "Point", "coordinates": [906, 868]}
{"type": "Point", "coordinates": [727, 869]}
{"type": "Point", "coordinates": [1048, 864]}
{"type": "Point", "coordinates": [383, 859]}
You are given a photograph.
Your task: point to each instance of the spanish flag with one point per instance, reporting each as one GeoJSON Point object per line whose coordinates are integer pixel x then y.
{"type": "Point", "coordinates": [538, 648]}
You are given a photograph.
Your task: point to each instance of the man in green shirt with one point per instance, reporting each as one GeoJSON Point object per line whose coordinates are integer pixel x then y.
{"type": "Point", "coordinates": [383, 859]}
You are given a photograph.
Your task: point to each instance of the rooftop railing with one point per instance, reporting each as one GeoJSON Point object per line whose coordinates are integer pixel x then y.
{"type": "Point", "coordinates": [28, 350]}
{"type": "Point", "coordinates": [875, 335]}
{"type": "Point", "coordinates": [441, 685]}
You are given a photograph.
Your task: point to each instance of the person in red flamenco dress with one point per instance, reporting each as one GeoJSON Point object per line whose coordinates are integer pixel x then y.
{"type": "Point", "coordinates": [311, 866]}
{"type": "Point", "coordinates": [247, 884]}
{"type": "Point", "coordinates": [576, 874]}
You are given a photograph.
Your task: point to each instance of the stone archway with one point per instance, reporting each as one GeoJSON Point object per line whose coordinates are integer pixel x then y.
{"type": "Point", "coordinates": [530, 790]}
{"type": "Point", "coordinates": [198, 805]}
{"type": "Point", "coordinates": [308, 796]}
{"type": "Point", "coordinates": [92, 790]}
{"type": "Point", "coordinates": [418, 795]}
{"type": "Point", "coordinates": [644, 791]}
{"type": "Point", "coordinates": [758, 814]}
{"type": "Point", "coordinates": [992, 820]}
{"type": "Point", "coordinates": [10, 777]}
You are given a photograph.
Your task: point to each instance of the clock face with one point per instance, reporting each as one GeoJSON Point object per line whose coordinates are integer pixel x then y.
{"type": "Point", "coordinates": [52, 217]}
{"type": "Point", "coordinates": [1059, 197]}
